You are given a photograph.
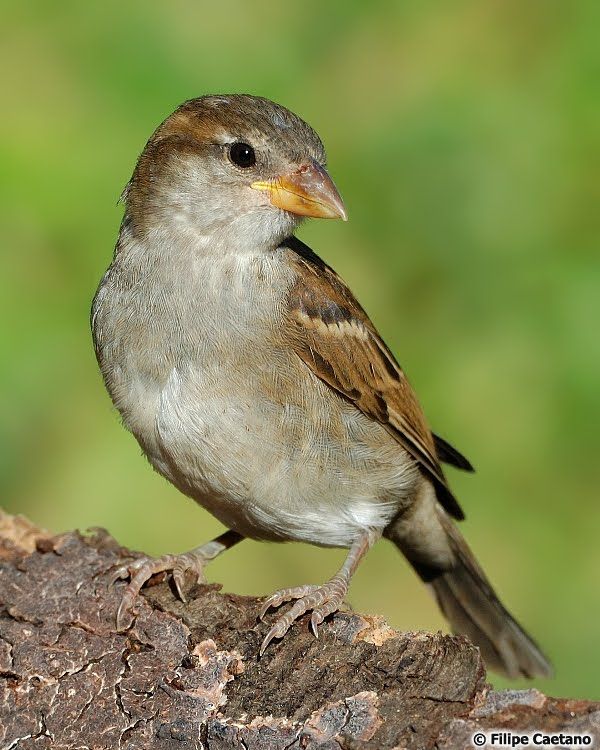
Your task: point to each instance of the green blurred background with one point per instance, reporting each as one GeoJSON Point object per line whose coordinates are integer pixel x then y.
{"type": "Point", "coordinates": [464, 137]}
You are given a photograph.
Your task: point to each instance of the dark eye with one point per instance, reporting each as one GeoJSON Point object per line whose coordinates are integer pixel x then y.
{"type": "Point", "coordinates": [242, 155]}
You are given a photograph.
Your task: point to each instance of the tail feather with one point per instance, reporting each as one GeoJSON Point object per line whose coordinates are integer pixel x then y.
{"type": "Point", "coordinates": [464, 593]}
{"type": "Point", "coordinates": [473, 609]}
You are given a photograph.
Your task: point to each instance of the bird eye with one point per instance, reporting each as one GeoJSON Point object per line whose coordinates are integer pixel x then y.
{"type": "Point", "coordinates": [242, 155]}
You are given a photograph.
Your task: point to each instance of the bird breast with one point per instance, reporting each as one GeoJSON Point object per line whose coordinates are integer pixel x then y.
{"type": "Point", "coordinates": [235, 419]}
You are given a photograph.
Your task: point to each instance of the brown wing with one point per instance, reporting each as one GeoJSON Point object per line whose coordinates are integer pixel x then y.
{"type": "Point", "coordinates": [333, 335]}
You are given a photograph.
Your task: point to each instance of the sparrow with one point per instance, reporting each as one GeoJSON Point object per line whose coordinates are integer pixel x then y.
{"type": "Point", "coordinates": [255, 382]}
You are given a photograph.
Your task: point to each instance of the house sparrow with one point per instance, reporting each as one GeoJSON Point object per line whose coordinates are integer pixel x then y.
{"type": "Point", "coordinates": [255, 382]}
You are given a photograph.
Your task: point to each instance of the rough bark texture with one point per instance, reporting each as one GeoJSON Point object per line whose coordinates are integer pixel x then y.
{"type": "Point", "coordinates": [187, 676]}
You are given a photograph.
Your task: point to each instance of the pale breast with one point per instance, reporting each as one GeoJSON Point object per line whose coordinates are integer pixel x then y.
{"type": "Point", "coordinates": [235, 420]}
{"type": "Point", "coordinates": [294, 462]}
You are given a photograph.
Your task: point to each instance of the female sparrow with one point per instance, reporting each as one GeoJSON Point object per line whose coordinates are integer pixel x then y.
{"type": "Point", "coordinates": [255, 382]}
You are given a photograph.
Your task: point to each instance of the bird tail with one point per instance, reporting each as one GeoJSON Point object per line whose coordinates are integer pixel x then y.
{"type": "Point", "coordinates": [434, 546]}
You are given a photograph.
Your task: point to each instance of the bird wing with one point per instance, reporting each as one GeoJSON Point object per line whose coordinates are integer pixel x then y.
{"type": "Point", "coordinates": [334, 337]}
{"type": "Point", "coordinates": [449, 455]}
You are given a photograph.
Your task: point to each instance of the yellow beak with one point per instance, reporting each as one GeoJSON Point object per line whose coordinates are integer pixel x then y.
{"type": "Point", "coordinates": [309, 191]}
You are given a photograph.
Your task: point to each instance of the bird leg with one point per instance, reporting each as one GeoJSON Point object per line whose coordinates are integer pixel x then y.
{"type": "Point", "coordinates": [322, 600]}
{"type": "Point", "coordinates": [193, 561]}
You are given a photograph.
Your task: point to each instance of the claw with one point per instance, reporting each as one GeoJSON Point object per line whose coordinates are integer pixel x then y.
{"type": "Point", "coordinates": [267, 639]}
{"type": "Point", "coordinates": [263, 610]}
{"type": "Point", "coordinates": [315, 621]}
{"type": "Point", "coordinates": [272, 601]}
{"type": "Point", "coordinates": [179, 580]}
{"type": "Point", "coordinates": [121, 572]}
{"type": "Point", "coordinates": [129, 569]}
{"type": "Point", "coordinates": [124, 616]}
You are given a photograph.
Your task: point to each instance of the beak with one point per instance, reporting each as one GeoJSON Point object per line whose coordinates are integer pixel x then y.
{"type": "Point", "coordinates": [309, 191]}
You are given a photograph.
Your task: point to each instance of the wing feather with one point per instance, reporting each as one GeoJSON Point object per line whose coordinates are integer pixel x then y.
{"type": "Point", "coordinates": [334, 337]}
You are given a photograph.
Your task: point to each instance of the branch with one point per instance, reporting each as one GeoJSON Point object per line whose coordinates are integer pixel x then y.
{"type": "Point", "coordinates": [187, 677]}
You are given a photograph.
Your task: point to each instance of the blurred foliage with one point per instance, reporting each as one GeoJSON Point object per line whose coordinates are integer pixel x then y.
{"type": "Point", "coordinates": [464, 137]}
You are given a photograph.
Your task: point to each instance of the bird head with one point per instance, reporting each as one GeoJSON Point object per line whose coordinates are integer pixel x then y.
{"type": "Point", "coordinates": [232, 166]}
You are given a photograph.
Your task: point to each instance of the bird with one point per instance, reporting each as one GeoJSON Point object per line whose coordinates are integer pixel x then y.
{"type": "Point", "coordinates": [255, 383]}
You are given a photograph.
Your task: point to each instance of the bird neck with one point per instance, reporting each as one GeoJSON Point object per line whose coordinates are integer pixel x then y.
{"type": "Point", "coordinates": [168, 220]}
{"type": "Point", "coordinates": [178, 244]}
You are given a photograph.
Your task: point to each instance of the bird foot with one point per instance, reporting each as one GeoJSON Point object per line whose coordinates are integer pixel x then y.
{"type": "Point", "coordinates": [141, 570]}
{"type": "Point", "coordinates": [322, 600]}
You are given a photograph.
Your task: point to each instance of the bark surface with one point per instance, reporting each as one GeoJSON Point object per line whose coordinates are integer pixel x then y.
{"type": "Point", "coordinates": [187, 677]}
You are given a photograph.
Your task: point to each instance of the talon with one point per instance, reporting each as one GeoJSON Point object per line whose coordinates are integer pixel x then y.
{"type": "Point", "coordinates": [179, 580]}
{"type": "Point", "coordinates": [275, 600]}
{"type": "Point", "coordinates": [277, 631]}
{"type": "Point", "coordinates": [180, 593]}
{"type": "Point", "coordinates": [120, 573]}
{"type": "Point", "coordinates": [267, 639]}
{"type": "Point", "coordinates": [315, 621]}
{"type": "Point", "coordinates": [124, 616]}
{"type": "Point", "coordinates": [116, 576]}
{"type": "Point", "coordinates": [265, 608]}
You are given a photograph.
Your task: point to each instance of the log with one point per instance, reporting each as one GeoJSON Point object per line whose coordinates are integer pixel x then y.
{"type": "Point", "coordinates": [188, 676]}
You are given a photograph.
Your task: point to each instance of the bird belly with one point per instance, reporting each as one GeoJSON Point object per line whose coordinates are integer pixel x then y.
{"type": "Point", "coordinates": [236, 420]}
{"type": "Point", "coordinates": [310, 467]}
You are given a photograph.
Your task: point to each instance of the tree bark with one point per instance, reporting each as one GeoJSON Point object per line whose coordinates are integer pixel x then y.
{"type": "Point", "coordinates": [187, 676]}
